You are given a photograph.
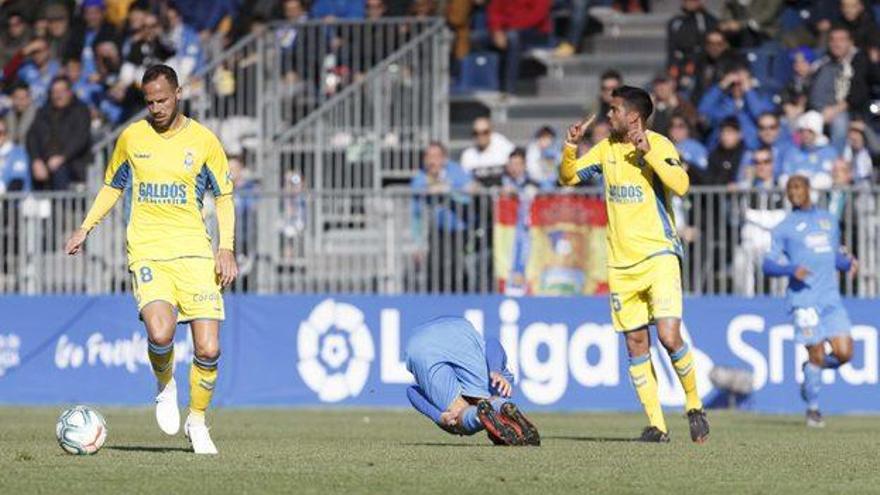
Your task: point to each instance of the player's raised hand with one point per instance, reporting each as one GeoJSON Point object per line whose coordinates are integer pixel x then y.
{"type": "Point", "coordinates": [500, 384]}
{"type": "Point", "coordinates": [637, 136]}
{"type": "Point", "coordinates": [577, 131]}
{"type": "Point", "coordinates": [226, 267]}
{"type": "Point", "coordinates": [75, 242]}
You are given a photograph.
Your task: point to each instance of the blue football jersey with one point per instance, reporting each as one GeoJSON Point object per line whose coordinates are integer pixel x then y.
{"type": "Point", "coordinates": [808, 238]}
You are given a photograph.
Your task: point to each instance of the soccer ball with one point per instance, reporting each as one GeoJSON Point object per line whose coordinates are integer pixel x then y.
{"type": "Point", "coordinates": [81, 430]}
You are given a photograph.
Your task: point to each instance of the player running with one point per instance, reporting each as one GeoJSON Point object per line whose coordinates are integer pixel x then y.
{"type": "Point", "coordinates": [806, 249]}
{"type": "Point", "coordinates": [169, 161]}
{"type": "Point", "coordinates": [463, 383]}
{"type": "Point", "coordinates": [641, 170]}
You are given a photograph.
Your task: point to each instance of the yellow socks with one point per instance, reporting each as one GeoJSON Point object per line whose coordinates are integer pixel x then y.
{"type": "Point", "coordinates": [685, 367]}
{"type": "Point", "coordinates": [642, 373]}
{"type": "Point", "coordinates": [202, 377]}
{"type": "Point", "coordinates": [162, 361]}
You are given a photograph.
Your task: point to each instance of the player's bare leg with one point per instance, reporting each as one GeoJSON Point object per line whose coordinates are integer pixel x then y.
{"type": "Point", "coordinates": [644, 379]}
{"type": "Point", "coordinates": [841, 351]}
{"type": "Point", "coordinates": [669, 333]}
{"type": "Point", "coordinates": [202, 379]}
{"type": "Point", "coordinates": [160, 321]}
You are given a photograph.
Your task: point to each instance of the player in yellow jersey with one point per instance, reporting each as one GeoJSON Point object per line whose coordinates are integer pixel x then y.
{"type": "Point", "coordinates": [169, 161]}
{"type": "Point", "coordinates": [641, 170]}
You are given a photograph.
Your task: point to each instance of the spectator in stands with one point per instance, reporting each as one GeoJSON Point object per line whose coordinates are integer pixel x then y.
{"type": "Point", "coordinates": [578, 19]}
{"type": "Point", "coordinates": [439, 216]}
{"type": "Point", "coordinates": [458, 16]}
{"type": "Point", "coordinates": [608, 82]}
{"type": "Point", "coordinates": [58, 32]}
{"type": "Point", "coordinates": [841, 85]}
{"type": "Point", "coordinates": [185, 43]}
{"type": "Point", "coordinates": [813, 157]}
{"type": "Point", "coordinates": [759, 169]}
{"type": "Point", "coordinates": [684, 39]}
{"type": "Point", "coordinates": [861, 23]}
{"type": "Point", "coordinates": [772, 134]}
{"type": "Point", "coordinates": [712, 62]}
{"type": "Point", "coordinates": [145, 48]}
{"type": "Point", "coordinates": [94, 30]}
{"type": "Point", "coordinates": [20, 117]}
{"type": "Point", "coordinates": [802, 59]}
{"type": "Point", "coordinates": [692, 152]}
{"type": "Point", "coordinates": [858, 154]}
{"type": "Point", "coordinates": [543, 156]}
{"type": "Point", "coordinates": [667, 103]}
{"type": "Point", "coordinates": [486, 158]}
{"type": "Point", "coordinates": [735, 96]}
{"type": "Point", "coordinates": [725, 159]}
{"type": "Point", "coordinates": [119, 99]}
{"type": "Point", "coordinates": [245, 189]}
{"type": "Point", "coordinates": [749, 24]}
{"type": "Point", "coordinates": [59, 140]}
{"type": "Point", "coordinates": [14, 38]}
{"type": "Point", "coordinates": [85, 89]}
{"type": "Point", "coordinates": [39, 69]}
{"type": "Point", "coordinates": [208, 16]}
{"type": "Point", "coordinates": [15, 172]}
{"type": "Point", "coordinates": [516, 178]}
{"type": "Point", "coordinates": [515, 26]}
{"type": "Point", "coordinates": [329, 10]}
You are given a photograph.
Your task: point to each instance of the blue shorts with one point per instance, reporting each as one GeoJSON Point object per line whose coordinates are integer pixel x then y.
{"type": "Point", "coordinates": [447, 357]}
{"type": "Point", "coordinates": [814, 325]}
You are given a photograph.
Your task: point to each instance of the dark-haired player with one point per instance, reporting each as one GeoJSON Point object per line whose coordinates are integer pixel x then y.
{"type": "Point", "coordinates": [641, 170]}
{"type": "Point", "coordinates": [170, 161]}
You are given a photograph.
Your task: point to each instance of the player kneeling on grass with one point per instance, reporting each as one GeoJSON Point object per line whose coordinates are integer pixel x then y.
{"type": "Point", "coordinates": [806, 248]}
{"type": "Point", "coordinates": [463, 383]}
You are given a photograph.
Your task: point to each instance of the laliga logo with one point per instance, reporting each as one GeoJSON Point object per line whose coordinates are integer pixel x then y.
{"type": "Point", "coordinates": [335, 351]}
{"type": "Point", "coordinates": [10, 345]}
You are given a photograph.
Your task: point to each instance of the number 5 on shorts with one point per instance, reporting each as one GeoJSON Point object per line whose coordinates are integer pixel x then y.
{"type": "Point", "coordinates": [615, 302]}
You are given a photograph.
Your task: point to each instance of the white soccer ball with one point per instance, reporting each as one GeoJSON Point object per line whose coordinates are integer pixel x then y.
{"type": "Point", "coordinates": [81, 430]}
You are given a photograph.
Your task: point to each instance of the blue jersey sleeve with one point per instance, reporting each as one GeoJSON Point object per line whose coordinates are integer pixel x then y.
{"type": "Point", "coordinates": [496, 359]}
{"type": "Point", "coordinates": [422, 404]}
{"type": "Point", "coordinates": [776, 262]}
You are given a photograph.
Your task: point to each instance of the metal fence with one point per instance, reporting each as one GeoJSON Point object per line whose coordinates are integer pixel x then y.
{"type": "Point", "coordinates": [254, 93]}
{"type": "Point", "coordinates": [303, 240]}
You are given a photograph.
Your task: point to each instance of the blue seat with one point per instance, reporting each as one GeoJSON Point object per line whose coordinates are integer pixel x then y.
{"type": "Point", "coordinates": [479, 72]}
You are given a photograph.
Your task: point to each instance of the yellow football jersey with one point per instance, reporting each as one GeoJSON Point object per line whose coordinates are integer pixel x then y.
{"type": "Point", "coordinates": [168, 175]}
{"type": "Point", "coordinates": [637, 195]}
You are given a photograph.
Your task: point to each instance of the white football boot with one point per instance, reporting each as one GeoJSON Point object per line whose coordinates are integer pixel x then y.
{"type": "Point", "coordinates": [167, 413]}
{"type": "Point", "coordinates": [197, 432]}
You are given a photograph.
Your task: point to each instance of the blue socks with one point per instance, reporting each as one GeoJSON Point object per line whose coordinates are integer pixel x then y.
{"type": "Point", "coordinates": [470, 423]}
{"type": "Point", "coordinates": [812, 383]}
{"type": "Point", "coordinates": [831, 362]}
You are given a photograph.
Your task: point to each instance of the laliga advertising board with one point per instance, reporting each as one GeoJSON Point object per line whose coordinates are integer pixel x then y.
{"type": "Point", "coordinates": [348, 350]}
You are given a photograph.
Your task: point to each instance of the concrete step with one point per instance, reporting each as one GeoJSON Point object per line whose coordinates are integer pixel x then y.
{"type": "Point", "coordinates": [627, 44]}
{"type": "Point", "coordinates": [578, 86]}
{"type": "Point", "coordinates": [593, 64]}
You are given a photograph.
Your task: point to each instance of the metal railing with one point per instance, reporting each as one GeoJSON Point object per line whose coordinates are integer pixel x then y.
{"type": "Point", "coordinates": [268, 82]}
{"type": "Point", "coordinates": [395, 241]}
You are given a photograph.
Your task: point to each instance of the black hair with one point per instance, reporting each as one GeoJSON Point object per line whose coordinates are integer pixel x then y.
{"type": "Point", "coordinates": [730, 122]}
{"type": "Point", "coordinates": [436, 144]}
{"type": "Point", "coordinates": [160, 70]}
{"type": "Point", "coordinates": [518, 151]}
{"type": "Point", "coordinates": [635, 99]}
{"type": "Point", "coordinates": [611, 74]}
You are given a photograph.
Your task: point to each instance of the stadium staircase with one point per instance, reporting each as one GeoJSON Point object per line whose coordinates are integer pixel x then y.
{"type": "Point", "coordinates": [563, 89]}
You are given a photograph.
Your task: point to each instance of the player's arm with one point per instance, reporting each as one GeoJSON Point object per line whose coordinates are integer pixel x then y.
{"type": "Point", "coordinates": [776, 263]}
{"type": "Point", "coordinates": [843, 261]}
{"type": "Point", "coordinates": [221, 184]}
{"type": "Point", "coordinates": [663, 159]}
{"type": "Point", "coordinates": [574, 170]}
{"type": "Point", "coordinates": [116, 179]}
{"type": "Point", "coordinates": [500, 378]}
{"type": "Point", "coordinates": [422, 404]}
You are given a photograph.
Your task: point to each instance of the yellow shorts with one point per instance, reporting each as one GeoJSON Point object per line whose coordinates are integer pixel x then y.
{"type": "Point", "coordinates": [188, 284]}
{"type": "Point", "coordinates": [645, 292]}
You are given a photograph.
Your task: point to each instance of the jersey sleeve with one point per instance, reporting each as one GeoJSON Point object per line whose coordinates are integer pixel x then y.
{"type": "Point", "coordinates": [216, 169]}
{"type": "Point", "coordinates": [664, 160]}
{"type": "Point", "coordinates": [118, 173]}
{"type": "Point", "coordinates": [776, 263]}
{"type": "Point", "coordinates": [574, 170]}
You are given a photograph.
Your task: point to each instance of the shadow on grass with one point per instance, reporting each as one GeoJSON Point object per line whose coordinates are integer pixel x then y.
{"type": "Point", "coordinates": [141, 448]}
{"type": "Point", "coordinates": [590, 439]}
{"type": "Point", "coordinates": [446, 444]}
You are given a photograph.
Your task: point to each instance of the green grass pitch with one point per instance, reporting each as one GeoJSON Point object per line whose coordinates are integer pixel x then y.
{"type": "Point", "coordinates": [375, 451]}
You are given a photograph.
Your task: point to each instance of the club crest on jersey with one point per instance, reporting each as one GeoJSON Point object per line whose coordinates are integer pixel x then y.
{"type": "Point", "coordinates": [188, 159]}
{"type": "Point", "coordinates": [824, 224]}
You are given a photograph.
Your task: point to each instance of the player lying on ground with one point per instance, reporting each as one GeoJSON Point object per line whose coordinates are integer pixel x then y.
{"type": "Point", "coordinates": [806, 249]}
{"type": "Point", "coordinates": [463, 383]}
{"type": "Point", "coordinates": [167, 162]}
{"type": "Point", "coordinates": [641, 171]}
